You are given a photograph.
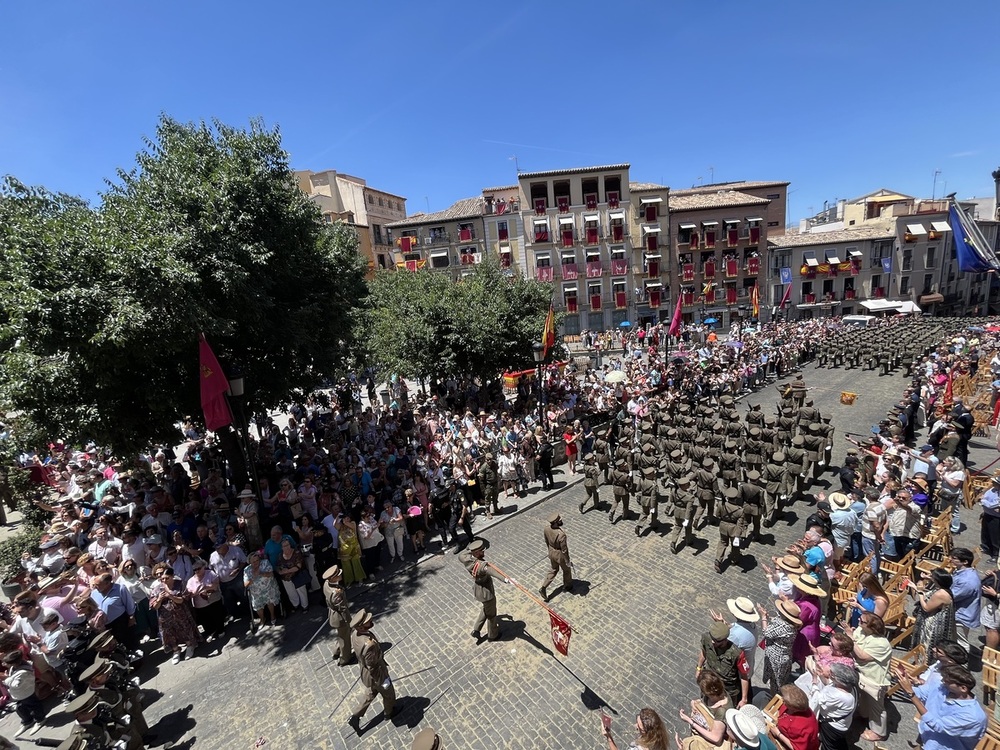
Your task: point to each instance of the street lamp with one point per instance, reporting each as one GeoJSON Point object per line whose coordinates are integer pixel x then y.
{"type": "Point", "coordinates": [236, 392]}
{"type": "Point", "coordinates": [539, 352]}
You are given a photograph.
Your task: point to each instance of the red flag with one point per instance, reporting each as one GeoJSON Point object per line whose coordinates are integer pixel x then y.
{"type": "Point", "coordinates": [785, 296]}
{"type": "Point", "coordinates": [948, 388]}
{"type": "Point", "coordinates": [549, 332]}
{"type": "Point", "coordinates": [561, 632]}
{"type": "Point", "coordinates": [214, 385]}
{"type": "Point", "coordinates": [675, 322]}
{"type": "Point", "coordinates": [755, 301]}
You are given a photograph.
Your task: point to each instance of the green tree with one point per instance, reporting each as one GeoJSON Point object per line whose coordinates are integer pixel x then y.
{"type": "Point", "coordinates": [102, 307]}
{"type": "Point", "coordinates": [422, 324]}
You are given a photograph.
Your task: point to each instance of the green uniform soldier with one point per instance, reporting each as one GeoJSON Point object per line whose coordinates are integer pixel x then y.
{"type": "Point", "coordinates": [603, 452]}
{"type": "Point", "coordinates": [698, 450]}
{"type": "Point", "coordinates": [795, 465]}
{"type": "Point", "coordinates": [706, 481]}
{"type": "Point", "coordinates": [682, 506]}
{"type": "Point", "coordinates": [676, 464]}
{"type": "Point", "coordinates": [882, 360]}
{"type": "Point", "coordinates": [374, 670]}
{"type": "Point", "coordinates": [558, 550]}
{"type": "Point", "coordinates": [732, 525]}
{"type": "Point", "coordinates": [729, 463]}
{"type": "Point", "coordinates": [752, 496]}
{"type": "Point", "coordinates": [823, 356]}
{"type": "Point", "coordinates": [786, 426]}
{"type": "Point", "coordinates": [482, 588]}
{"type": "Point", "coordinates": [621, 483]}
{"type": "Point", "coordinates": [769, 436]}
{"type": "Point", "coordinates": [815, 448]}
{"type": "Point", "coordinates": [775, 487]}
{"type": "Point", "coordinates": [335, 596]}
{"type": "Point", "coordinates": [96, 725]}
{"type": "Point", "coordinates": [753, 449]}
{"type": "Point", "coordinates": [838, 353]}
{"type": "Point", "coordinates": [122, 697]}
{"type": "Point", "coordinates": [645, 490]}
{"type": "Point", "coordinates": [591, 478]}
{"type": "Point", "coordinates": [489, 480]}
{"type": "Point", "coordinates": [827, 430]}
{"type": "Point", "coordinates": [755, 417]}
{"type": "Point", "coordinates": [716, 439]}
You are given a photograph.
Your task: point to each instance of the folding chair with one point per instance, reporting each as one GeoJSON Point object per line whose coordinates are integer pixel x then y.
{"type": "Point", "coordinates": [913, 663]}
{"type": "Point", "coordinates": [990, 674]}
{"type": "Point", "coordinates": [771, 709]}
{"type": "Point", "coordinates": [904, 567]}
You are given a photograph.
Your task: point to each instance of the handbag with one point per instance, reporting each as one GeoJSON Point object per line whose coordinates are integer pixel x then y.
{"type": "Point", "coordinates": [297, 510]}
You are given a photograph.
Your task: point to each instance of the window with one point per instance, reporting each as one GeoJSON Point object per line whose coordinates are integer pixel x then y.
{"type": "Point", "coordinates": [928, 283]}
{"type": "Point", "coordinates": [380, 202]}
{"type": "Point", "coordinates": [880, 249]}
{"type": "Point", "coordinates": [381, 260]}
{"type": "Point", "coordinates": [541, 230]}
{"type": "Point", "coordinates": [594, 292]}
{"type": "Point", "coordinates": [930, 260]}
{"type": "Point", "coordinates": [904, 285]}
{"type": "Point", "coordinates": [502, 230]}
{"type": "Point", "coordinates": [569, 298]}
{"type": "Point", "coordinates": [684, 233]}
{"type": "Point", "coordinates": [907, 259]}
{"type": "Point", "coordinates": [773, 196]}
{"type": "Point", "coordinates": [465, 233]}
{"type": "Point", "coordinates": [371, 199]}
{"type": "Point", "coordinates": [377, 233]}
{"type": "Point", "coordinates": [440, 259]}
{"type": "Point", "coordinates": [774, 223]}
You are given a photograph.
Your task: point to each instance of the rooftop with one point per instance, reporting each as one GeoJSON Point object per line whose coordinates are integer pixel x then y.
{"type": "Point", "coordinates": [639, 186]}
{"type": "Point", "coordinates": [574, 170]}
{"type": "Point", "coordinates": [715, 187]}
{"type": "Point", "coordinates": [467, 208]}
{"type": "Point", "coordinates": [688, 201]}
{"type": "Point", "coordinates": [499, 188]}
{"type": "Point", "coordinates": [874, 230]}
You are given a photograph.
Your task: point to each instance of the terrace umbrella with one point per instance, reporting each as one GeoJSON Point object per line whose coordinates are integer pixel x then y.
{"type": "Point", "coordinates": [624, 324]}
{"type": "Point", "coordinates": [710, 321]}
{"type": "Point", "coordinates": [615, 376]}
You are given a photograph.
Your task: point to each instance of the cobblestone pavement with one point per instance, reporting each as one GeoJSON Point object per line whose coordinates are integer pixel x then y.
{"type": "Point", "coordinates": [638, 613]}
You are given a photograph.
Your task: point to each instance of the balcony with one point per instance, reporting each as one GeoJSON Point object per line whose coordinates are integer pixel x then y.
{"type": "Point", "coordinates": [732, 238]}
{"type": "Point", "coordinates": [543, 273]}
{"type": "Point", "coordinates": [619, 266]}
{"type": "Point", "coordinates": [438, 238]}
{"type": "Point", "coordinates": [878, 292]}
{"type": "Point", "coordinates": [567, 237]}
{"type": "Point", "coordinates": [595, 269]}
{"type": "Point", "coordinates": [592, 236]}
{"type": "Point", "coordinates": [570, 272]}
{"type": "Point", "coordinates": [466, 235]}
{"type": "Point", "coordinates": [935, 235]}
{"type": "Point", "coordinates": [501, 207]}
{"type": "Point", "coordinates": [909, 237]}
{"type": "Point", "coordinates": [471, 259]}
{"type": "Point", "coordinates": [850, 294]}
{"type": "Point", "coordinates": [541, 235]}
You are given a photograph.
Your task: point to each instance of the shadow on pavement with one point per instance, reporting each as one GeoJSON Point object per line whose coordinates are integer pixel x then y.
{"type": "Point", "coordinates": [410, 711]}
{"type": "Point", "coordinates": [171, 727]}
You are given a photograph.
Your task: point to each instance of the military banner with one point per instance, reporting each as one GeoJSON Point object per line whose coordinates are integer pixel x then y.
{"type": "Point", "coordinates": [561, 632]}
{"type": "Point", "coordinates": [847, 398]}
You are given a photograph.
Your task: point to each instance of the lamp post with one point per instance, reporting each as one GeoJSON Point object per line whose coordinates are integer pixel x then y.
{"type": "Point", "coordinates": [236, 392]}
{"type": "Point", "coordinates": [539, 352]}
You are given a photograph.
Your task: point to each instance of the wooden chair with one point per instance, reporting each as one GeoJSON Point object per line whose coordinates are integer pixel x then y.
{"type": "Point", "coordinates": [991, 656]}
{"type": "Point", "coordinates": [913, 663]}
{"type": "Point", "coordinates": [975, 486]}
{"type": "Point", "coordinates": [935, 552]}
{"type": "Point", "coordinates": [904, 567]}
{"type": "Point", "coordinates": [898, 623]}
{"type": "Point", "coordinates": [989, 742]}
{"type": "Point", "coordinates": [991, 672]}
{"type": "Point", "coordinates": [771, 709]}
{"type": "Point", "coordinates": [993, 727]}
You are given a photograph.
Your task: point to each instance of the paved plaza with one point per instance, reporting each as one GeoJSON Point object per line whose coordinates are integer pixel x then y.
{"type": "Point", "coordinates": [638, 613]}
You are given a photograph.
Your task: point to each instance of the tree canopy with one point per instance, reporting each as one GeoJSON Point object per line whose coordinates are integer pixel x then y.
{"type": "Point", "coordinates": [101, 307]}
{"type": "Point", "coordinates": [421, 324]}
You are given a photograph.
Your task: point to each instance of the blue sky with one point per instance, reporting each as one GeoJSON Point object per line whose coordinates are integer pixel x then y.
{"type": "Point", "coordinates": [430, 100]}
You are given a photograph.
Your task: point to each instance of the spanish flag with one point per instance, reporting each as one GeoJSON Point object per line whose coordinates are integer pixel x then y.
{"type": "Point", "coordinates": [706, 291]}
{"type": "Point", "coordinates": [755, 301]}
{"type": "Point", "coordinates": [549, 332]}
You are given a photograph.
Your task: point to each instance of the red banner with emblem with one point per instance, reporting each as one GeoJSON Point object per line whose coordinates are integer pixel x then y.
{"type": "Point", "coordinates": [561, 633]}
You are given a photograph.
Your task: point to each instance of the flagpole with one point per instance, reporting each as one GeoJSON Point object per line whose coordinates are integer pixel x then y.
{"type": "Point", "coordinates": [533, 598]}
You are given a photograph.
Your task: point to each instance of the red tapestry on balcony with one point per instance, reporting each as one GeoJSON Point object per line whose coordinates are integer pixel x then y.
{"type": "Point", "coordinates": [687, 272]}
{"type": "Point", "coordinates": [591, 235]}
{"type": "Point", "coordinates": [650, 212]}
{"type": "Point", "coordinates": [543, 273]}
{"type": "Point", "coordinates": [594, 269]}
{"type": "Point", "coordinates": [591, 200]}
{"type": "Point", "coordinates": [654, 298]}
{"type": "Point", "coordinates": [612, 199]}
{"type": "Point", "coordinates": [619, 266]}
{"type": "Point", "coordinates": [468, 259]}
{"type": "Point", "coordinates": [411, 265]}
{"type": "Point", "coordinates": [810, 298]}
{"type": "Point", "coordinates": [848, 294]}
{"type": "Point", "coordinates": [653, 268]}
{"type": "Point", "coordinates": [709, 239]}
{"type": "Point", "coordinates": [567, 238]}
{"type": "Point", "coordinates": [732, 237]}
{"type": "Point", "coordinates": [732, 269]}
{"type": "Point", "coordinates": [571, 304]}
{"type": "Point", "coordinates": [652, 243]}
{"type": "Point", "coordinates": [563, 204]}
{"type": "Point", "coordinates": [687, 298]}
{"type": "Point", "coordinates": [617, 232]}
{"type": "Point", "coordinates": [621, 300]}
{"type": "Point", "coordinates": [569, 271]}
{"type": "Point", "coordinates": [754, 235]}
{"type": "Point", "coordinates": [753, 266]}
{"type": "Point", "coordinates": [595, 302]}
{"type": "Point", "coordinates": [730, 295]}
{"type": "Point", "coordinates": [465, 235]}
{"type": "Point", "coordinates": [694, 239]}
{"type": "Point", "coordinates": [833, 269]}
{"type": "Point", "coordinates": [539, 205]}
{"type": "Point", "coordinates": [709, 271]}
{"type": "Point", "coordinates": [878, 292]}
{"type": "Point", "coordinates": [405, 243]}
{"type": "Point", "coordinates": [505, 260]}
{"type": "Point", "coordinates": [855, 266]}
{"type": "Point", "coordinates": [541, 235]}
{"type": "Point", "coordinates": [502, 233]}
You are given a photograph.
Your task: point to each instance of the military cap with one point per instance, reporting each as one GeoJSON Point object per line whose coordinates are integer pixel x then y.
{"type": "Point", "coordinates": [622, 464]}
{"type": "Point", "coordinates": [590, 457]}
{"type": "Point", "coordinates": [99, 667]}
{"type": "Point", "coordinates": [648, 447]}
{"type": "Point", "coordinates": [364, 617]}
{"type": "Point", "coordinates": [332, 572]}
{"type": "Point", "coordinates": [753, 475]}
{"type": "Point", "coordinates": [734, 417]}
{"type": "Point", "coordinates": [778, 457]}
{"type": "Point", "coordinates": [729, 445]}
{"type": "Point", "coordinates": [646, 425]}
{"type": "Point", "coordinates": [685, 480]}
{"type": "Point", "coordinates": [798, 441]}
{"type": "Point", "coordinates": [755, 432]}
{"type": "Point", "coordinates": [672, 432]}
{"type": "Point", "coordinates": [427, 739]}
{"type": "Point", "coordinates": [726, 400]}
{"type": "Point", "coordinates": [84, 703]}
{"type": "Point", "coordinates": [555, 518]}
{"type": "Point", "coordinates": [103, 641]}
{"type": "Point", "coordinates": [708, 463]}
{"type": "Point", "coordinates": [676, 455]}
{"type": "Point", "coordinates": [476, 545]}
{"type": "Point", "coordinates": [718, 426]}
{"type": "Point", "coordinates": [731, 493]}
{"type": "Point", "coordinates": [718, 631]}
{"type": "Point", "coordinates": [701, 438]}
{"type": "Point", "coordinates": [814, 426]}
{"type": "Point", "coordinates": [687, 421]}
{"type": "Point", "coordinates": [683, 409]}
{"type": "Point", "coordinates": [648, 471]}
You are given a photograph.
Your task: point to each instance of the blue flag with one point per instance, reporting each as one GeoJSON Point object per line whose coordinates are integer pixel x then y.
{"type": "Point", "coordinates": [886, 265]}
{"type": "Point", "coordinates": [973, 253]}
{"type": "Point", "coordinates": [786, 275]}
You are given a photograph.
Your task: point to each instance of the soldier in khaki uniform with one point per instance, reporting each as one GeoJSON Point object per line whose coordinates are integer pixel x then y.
{"type": "Point", "coordinates": [814, 444]}
{"type": "Point", "coordinates": [113, 687]}
{"type": "Point", "coordinates": [753, 500]}
{"type": "Point", "coordinates": [335, 596]}
{"type": "Point", "coordinates": [775, 487]}
{"type": "Point", "coordinates": [591, 479]}
{"type": "Point", "coordinates": [682, 503]}
{"type": "Point", "coordinates": [645, 489]}
{"type": "Point", "coordinates": [558, 550]}
{"type": "Point", "coordinates": [489, 479]}
{"type": "Point", "coordinates": [621, 481]}
{"type": "Point", "coordinates": [732, 525]}
{"type": "Point", "coordinates": [706, 485]}
{"type": "Point", "coordinates": [95, 725]}
{"type": "Point", "coordinates": [482, 588]}
{"type": "Point", "coordinates": [374, 670]}
{"type": "Point", "coordinates": [603, 452]}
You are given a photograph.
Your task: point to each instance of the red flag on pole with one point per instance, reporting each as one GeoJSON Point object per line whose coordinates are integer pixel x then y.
{"type": "Point", "coordinates": [561, 632]}
{"type": "Point", "coordinates": [214, 385]}
{"type": "Point", "coordinates": [785, 296]}
{"type": "Point", "coordinates": [675, 322]}
{"type": "Point", "coordinates": [755, 301]}
{"type": "Point", "coordinates": [549, 332]}
{"type": "Point", "coordinates": [948, 388]}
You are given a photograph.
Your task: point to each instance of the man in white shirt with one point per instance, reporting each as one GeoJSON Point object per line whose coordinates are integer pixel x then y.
{"type": "Point", "coordinates": [104, 547]}
{"type": "Point", "coordinates": [227, 562]}
{"type": "Point", "coordinates": [133, 546]}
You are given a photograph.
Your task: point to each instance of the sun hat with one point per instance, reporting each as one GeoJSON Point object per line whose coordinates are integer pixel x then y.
{"type": "Point", "coordinates": [790, 611]}
{"type": "Point", "coordinates": [790, 564]}
{"type": "Point", "coordinates": [839, 500]}
{"type": "Point", "coordinates": [743, 609]}
{"type": "Point", "coordinates": [808, 585]}
{"type": "Point", "coordinates": [743, 728]}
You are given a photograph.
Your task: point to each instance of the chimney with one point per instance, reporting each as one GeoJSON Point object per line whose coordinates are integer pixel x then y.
{"type": "Point", "coordinates": [996, 183]}
{"type": "Point", "coordinates": [841, 206]}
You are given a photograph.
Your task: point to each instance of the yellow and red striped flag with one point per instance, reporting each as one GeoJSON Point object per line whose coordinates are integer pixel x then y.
{"type": "Point", "coordinates": [549, 332]}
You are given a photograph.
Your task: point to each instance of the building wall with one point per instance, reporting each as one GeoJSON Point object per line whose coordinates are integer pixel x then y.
{"type": "Point", "coordinates": [776, 213]}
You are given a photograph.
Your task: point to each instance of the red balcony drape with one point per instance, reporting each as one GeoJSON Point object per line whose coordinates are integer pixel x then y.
{"type": "Point", "coordinates": [621, 300]}
{"type": "Point", "coordinates": [687, 271]}
{"type": "Point", "coordinates": [465, 234]}
{"type": "Point", "coordinates": [544, 273]}
{"type": "Point", "coordinates": [709, 239]}
{"type": "Point", "coordinates": [709, 269]}
{"type": "Point", "coordinates": [539, 205]}
{"type": "Point", "coordinates": [687, 298]}
{"type": "Point", "coordinates": [567, 238]}
{"type": "Point", "coordinates": [617, 232]}
{"type": "Point", "coordinates": [594, 269]}
{"type": "Point", "coordinates": [571, 304]}
{"type": "Point", "coordinates": [595, 302]}
{"type": "Point", "coordinates": [650, 212]}
{"type": "Point", "coordinates": [753, 266]}
{"type": "Point", "coordinates": [732, 269]}
{"type": "Point", "coordinates": [652, 243]}
{"type": "Point", "coordinates": [619, 266]}
{"type": "Point", "coordinates": [591, 235]}
{"type": "Point", "coordinates": [569, 271]}
{"type": "Point", "coordinates": [732, 237]}
{"type": "Point", "coordinates": [653, 268]}
{"type": "Point", "coordinates": [754, 235]}
{"type": "Point", "coordinates": [654, 298]}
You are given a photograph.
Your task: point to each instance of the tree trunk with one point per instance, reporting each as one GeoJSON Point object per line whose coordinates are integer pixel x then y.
{"type": "Point", "coordinates": [231, 448]}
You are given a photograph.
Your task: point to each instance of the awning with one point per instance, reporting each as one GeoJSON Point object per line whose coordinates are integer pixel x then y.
{"type": "Point", "coordinates": [916, 229]}
{"type": "Point", "coordinates": [728, 222]}
{"type": "Point", "coordinates": [650, 230]}
{"type": "Point", "coordinates": [909, 307]}
{"type": "Point", "coordinates": [832, 259]}
{"type": "Point", "coordinates": [505, 248]}
{"type": "Point", "coordinates": [930, 299]}
{"type": "Point", "coordinates": [620, 215]}
{"type": "Point", "coordinates": [569, 255]}
{"type": "Point", "coordinates": [440, 254]}
{"type": "Point", "coordinates": [541, 222]}
{"type": "Point", "coordinates": [811, 262]}
{"type": "Point", "coordinates": [752, 219]}
{"type": "Point", "coordinates": [654, 285]}
{"type": "Point", "coordinates": [653, 256]}
{"type": "Point", "coordinates": [688, 226]}
{"type": "Point", "coordinates": [854, 253]}
{"type": "Point", "coordinates": [591, 217]}
{"type": "Point", "coordinates": [650, 200]}
{"type": "Point", "coordinates": [880, 305]}
{"type": "Point", "coordinates": [710, 223]}
{"type": "Point", "coordinates": [541, 256]}
{"type": "Point", "coordinates": [940, 226]}
{"type": "Point", "coordinates": [570, 287]}
{"type": "Point", "coordinates": [566, 220]}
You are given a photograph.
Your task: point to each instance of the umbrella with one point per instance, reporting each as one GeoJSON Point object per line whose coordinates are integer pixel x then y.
{"type": "Point", "coordinates": [624, 324]}
{"type": "Point", "coordinates": [615, 376]}
{"type": "Point", "coordinates": [976, 329]}
{"type": "Point", "coordinates": [993, 329]}
{"type": "Point", "coordinates": [678, 360]}
{"type": "Point", "coordinates": [709, 321]}
{"type": "Point", "coordinates": [415, 511]}
{"type": "Point", "coordinates": [735, 344]}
